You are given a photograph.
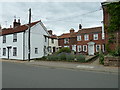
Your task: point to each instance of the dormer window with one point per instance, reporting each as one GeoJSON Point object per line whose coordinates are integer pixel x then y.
{"type": "Point", "coordinates": [15, 37]}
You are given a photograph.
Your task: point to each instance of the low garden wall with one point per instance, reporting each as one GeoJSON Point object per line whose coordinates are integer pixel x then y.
{"type": "Point", "coordinates": [112, 61]}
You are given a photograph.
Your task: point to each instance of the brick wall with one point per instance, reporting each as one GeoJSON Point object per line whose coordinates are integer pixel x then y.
{"type": "Point", "coordinates": [112, 61]}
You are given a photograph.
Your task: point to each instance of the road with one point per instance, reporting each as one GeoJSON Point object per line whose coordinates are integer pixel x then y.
{"type": "Point", "coordinates": [17, 75]}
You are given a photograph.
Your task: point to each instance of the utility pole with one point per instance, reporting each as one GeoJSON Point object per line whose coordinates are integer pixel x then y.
{"type": "Point", "coordinates": [29, 35]}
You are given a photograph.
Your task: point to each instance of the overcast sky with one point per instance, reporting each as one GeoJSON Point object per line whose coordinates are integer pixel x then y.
{"type": "Point", "coordinates": [57, 16]}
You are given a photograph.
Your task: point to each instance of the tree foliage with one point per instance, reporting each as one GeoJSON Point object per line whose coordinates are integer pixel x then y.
{"type": "Point", "coordinates": [114, 11]}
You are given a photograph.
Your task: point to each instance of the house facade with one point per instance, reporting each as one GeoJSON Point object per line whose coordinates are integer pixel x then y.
{"type": "Point", "coordinates": [14, 41]}
{"type": "Point", "coordinates": [88, 40]}
{"type": "Point", "coordinates": [68, 40]}
{"type": "Point", "coordinates": [53, 43]}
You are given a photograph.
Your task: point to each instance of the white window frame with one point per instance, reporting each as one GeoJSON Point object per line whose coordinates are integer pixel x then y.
{"type": "Point", "coordinates": [14, 51]}
{"type": "Point", "coordinates": [4, 51]}
{"type": "Point", "coordinates": [36, 50]}
{"type": "Point", "coordinates": [4, 38]}
{"type": "Point", "coordinates": [15, 37]}
{"type": "Point", "coordinates": [66, 40]}
{"type": "Point", "coordinates": [86, 37]}
{"type": "Point", "coordinates": [74, 48]}
{"type": "Point", "coordinates": [97, 48]}
{"type": "Point", "coordinates": [79, 48]}
{"type": "Point", "coordinates": [95, 36]}
{"type": "Point", "coordinates": [84, 48]}
{"type": "Point", "coordinates": [79, 38]}
{"type": "Point", "coordinates": [103, 47]}
{"type": "Point", "coordinates": [52, 40]}
{"type": "Point", "coordinates": [66, 46]}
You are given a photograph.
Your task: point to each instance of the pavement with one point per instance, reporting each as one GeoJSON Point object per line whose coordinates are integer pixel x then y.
{"type": "Point", "coordinates": [95, 66]}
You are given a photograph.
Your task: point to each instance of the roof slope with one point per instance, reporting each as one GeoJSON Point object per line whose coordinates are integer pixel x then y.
{"type": "Point", "coordinates": [17, 29]}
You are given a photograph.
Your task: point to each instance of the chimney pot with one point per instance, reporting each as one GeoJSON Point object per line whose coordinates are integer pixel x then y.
{"type": "Point", "coordinates": [50, 32]}
{"type": "Point", "coordinates": [80, 26]}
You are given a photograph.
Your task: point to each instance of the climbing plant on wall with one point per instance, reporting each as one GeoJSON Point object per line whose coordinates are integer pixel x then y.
{"type": "Point", "coordinates": [114, 25]}
{"type": "Point", "coordinates": [114, 12]}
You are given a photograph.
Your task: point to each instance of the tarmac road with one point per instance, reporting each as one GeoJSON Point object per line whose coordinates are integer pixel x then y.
{"type": "Point", "coordinates": [18, 75]}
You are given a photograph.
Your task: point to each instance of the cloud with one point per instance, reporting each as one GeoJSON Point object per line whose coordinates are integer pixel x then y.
{"type": "Point", "coordinates": [58, 16]}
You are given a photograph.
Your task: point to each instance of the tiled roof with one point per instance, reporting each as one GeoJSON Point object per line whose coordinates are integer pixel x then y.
{"type": "Point", "coordinates": [17, 29]}
{"type": "Point", "coordinates": [84, 30]}
{"type": "Point", "coordinates": [68, 35]}
{"type": "Point", "coordinates": [89, 30]}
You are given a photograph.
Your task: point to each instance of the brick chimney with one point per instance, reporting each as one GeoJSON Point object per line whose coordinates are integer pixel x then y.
{"type": "Point", "coordinates": [50, 32]}
{"type": "Point", "coordinates": [15, 24]}
{"type": "Point", "coordinates": [72, 30]}
{"type": "Point", "coordinates": [80, 26]}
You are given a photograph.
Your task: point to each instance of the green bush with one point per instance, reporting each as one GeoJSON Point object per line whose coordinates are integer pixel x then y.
{"type": "Point", "coordinates": [64, 49]}
{"type": "Point", "coordinates": [70, 57]}
{"type": "Point", "coordinates": [52, 57]}
{"type": "Point", "coordinates": [62, 56]}
{"type": "Point", "coordinates": [80, 58]}
{"type": "Point", "coordinates": [101, 58]}
{"type": "Point", "coordinates": [116, 52]}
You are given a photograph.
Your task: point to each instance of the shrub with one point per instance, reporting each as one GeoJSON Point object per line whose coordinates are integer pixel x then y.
{"type": "Point", "coordinates": [62, 56]}
{"type": "Point", "coordinates": [70, 57]}
{"type": "Point", "coordinates": [116, 52]}
{"type": "Point", "coordinates": [101, 58]}
{"type": "Point", "coordinates": [64, 49]}
{"type": "Point", "coordinates": [80, 58]}
{"type": "Point", "coordinates": [52, 57]}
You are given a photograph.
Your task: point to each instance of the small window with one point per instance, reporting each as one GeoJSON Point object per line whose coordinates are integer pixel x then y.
{"type": "Point", "coordinates": [52, 40]}
{"type": "Point", "coordinates": [4, 51]}
{"type": "Point", "coordinates": [45, 38]}
{"type": "Point", "coordinates": [66, 40]}
{"type": "Point", "coordinates": [15, 37]}
{"type": "Point", "coordinates": [4, 39]}
{"type": "Point", "coordinates": [85, 48]}
{"type": "Point", "coordinates": [97, 48]}
{"type": "Point", "coordinates": [95, 36]}
{"type": "Point", "coordinates": [78, 38]}
{"type": "Point", "coordinates": [36, 50]}
{"type": "Point", "coordinates": [86, 37]}
{"type": "Point", "coordinates": [79, 47]}
{"type": "Point", "coordinates": [14, 51]}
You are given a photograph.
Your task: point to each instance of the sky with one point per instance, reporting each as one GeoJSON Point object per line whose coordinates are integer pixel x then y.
{"type": "Point", "coordinates": [57, 16]}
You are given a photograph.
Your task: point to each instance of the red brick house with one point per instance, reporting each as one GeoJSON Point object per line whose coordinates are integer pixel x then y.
{"type": "Point", "coordinates": [88, 40]}
{"type": "Point", "coordinates": [68, 40]}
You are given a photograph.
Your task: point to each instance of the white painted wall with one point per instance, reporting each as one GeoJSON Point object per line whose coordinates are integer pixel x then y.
{"type": "Point", "coordinates": [9, 42]}
{"type": "Point", "coordinates": [37, 41]}
{"type": "Point", "coordinates": [55, 44]}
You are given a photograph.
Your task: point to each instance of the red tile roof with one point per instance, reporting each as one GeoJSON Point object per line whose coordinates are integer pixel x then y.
{"type": "Point", "coordinates": [17, 29]}
{"type": "Point", "coordinates": [68, 35]}
{"type": "Point", "coordinates": [88, 30]}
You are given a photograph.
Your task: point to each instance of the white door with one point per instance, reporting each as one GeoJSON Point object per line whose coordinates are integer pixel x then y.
{"type": "Point", "coordinates": [91, 49]}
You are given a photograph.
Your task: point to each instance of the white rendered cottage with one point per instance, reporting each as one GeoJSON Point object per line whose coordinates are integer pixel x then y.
{"type": "Point", "coordinates": [53, 43]}
{"type": "Point", "coordinates": [14, 41]}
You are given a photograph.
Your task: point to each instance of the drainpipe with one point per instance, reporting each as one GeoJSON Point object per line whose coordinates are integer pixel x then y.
{"type": "Point", "coordinates": [24, 45]}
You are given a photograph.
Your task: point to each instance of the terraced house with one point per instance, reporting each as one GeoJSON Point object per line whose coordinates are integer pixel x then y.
{"type": "Point", "coordinates": [87, 40]}
{"type": "Point", "coordinates": [14, 41]}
